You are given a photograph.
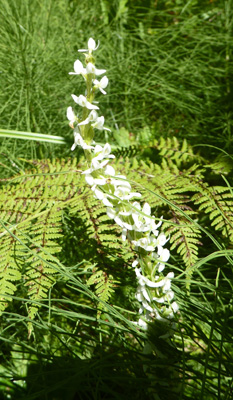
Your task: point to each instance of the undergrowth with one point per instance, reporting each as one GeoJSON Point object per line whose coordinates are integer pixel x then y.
{"type": "Point", "coordinates": [62, 258]}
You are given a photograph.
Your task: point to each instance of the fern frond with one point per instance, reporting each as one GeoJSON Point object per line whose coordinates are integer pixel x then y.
{"type": "Point", "coordinates": [217, 202]}
{"type": "Point", "coordinates": [104, 287]}
{"type": "Point", "coordinates": [185, 238]}
{"type": "Point", "coordinates": [172, 149]}
{"type": "Point", "coordinates": [39, 274]}
{"type": "Point", "coordinates": [12, 254]}
{"type": "Point", "coordinates": [31, 205]}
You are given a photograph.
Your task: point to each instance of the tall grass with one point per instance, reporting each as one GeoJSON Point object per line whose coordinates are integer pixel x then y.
{"type": "Point", "coordinates": [169, 64]}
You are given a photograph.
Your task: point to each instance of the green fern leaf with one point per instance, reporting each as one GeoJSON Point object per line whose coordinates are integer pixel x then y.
{"type": "Point", "coordinates": [104, 287]}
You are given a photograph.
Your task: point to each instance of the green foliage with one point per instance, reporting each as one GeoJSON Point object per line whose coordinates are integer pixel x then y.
{"type": "Point", "coordinates": [180, 188]}
{"type": "Point", "coordinates": [104, 285]}
{"type": "Point", "coordinates": [35, 202]}
{"type": "Point", "coordinates": [31, 212]}
{"type": "Point", "coordinates": [169, 65]}
{"type": "Point", "coordinates": [33, 205]}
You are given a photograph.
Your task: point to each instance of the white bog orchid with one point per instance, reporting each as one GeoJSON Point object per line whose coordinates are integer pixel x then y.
{"type": "Point", "coordinates": [78, 141]}
{"type": "Point", "coordinates": [104, 197]}
{"type": "Point", "coordinates": [91, 46]}
{"type": "Point", "coordinates": [99, 124]}
{"type": "Point", "coordinates": [101, 85]}
{"type": "Point", "coordinates": [147, 243]}
{"type": "Point", "coordinates": [138, 225]}
{"type": "Point", "coordinates": [82, 101]}
{"type": "Point", "coordinates": [102, 152]}
{"type": "Point", "coordinates": [91, 117]}
{"type": "Point", "coordinates": [91, 69]}
{"type": "Point", "coordinates": [78, 69]}
{"type": "Point", "coordinates": [71, 117]}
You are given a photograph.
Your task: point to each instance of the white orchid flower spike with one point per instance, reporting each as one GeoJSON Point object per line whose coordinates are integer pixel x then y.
{"type": "Point", "coordinates": [138, 225]}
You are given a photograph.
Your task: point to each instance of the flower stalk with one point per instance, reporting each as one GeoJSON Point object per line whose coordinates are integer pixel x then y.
{"type": "Point", "coordinates": [154, 291]}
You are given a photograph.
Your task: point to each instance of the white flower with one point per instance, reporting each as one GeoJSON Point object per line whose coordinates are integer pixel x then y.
{"type": "Point", "coordinates": [71, 117]}
{"type": "Point", "coordinates": [146, 306]}
{"type": "Point", "coordinates": [99, 124]}
{"type": "Point", "coordinates": [147, 243]}
{"type": "Point", "coordinates": [109, 170]}
{"type": "Point", "coordinates": [164, 255]}
{"type": "Point", "coordinates": [95, 165]}
{"type": "Point", "coordinates": [122, 182]}
{"type": "Point", "coordinates": [142, 280]}
{"type": "Point", "coordinates": [102, 152]}
{"type": "Point", "coordinates": [167, 281]}
{"type": "Point", "coordinates": [78, 141]}
{"type": "Point", "coordinates": [82, 101]}
{"type": "Point", "coordinates": [135, 263]}
{"type": "Point", "coordinates": [91, 69]}
{"type": "Point", "coordinates": [113, 213]}
{"type": "Point", "coordinates": [142, 294]}
{"type": "Point", "coordinates": [78, 69]}
{"type": "Point", "coordinates": [143, 223]}
{"type": "Point", "coordinates": [175, 307]}
{"type": "Point", "coordinates": [99, 194]}
{"type": "Point", "coordinates": [115, 192]}
{"type": "Point", "coordinates": [124, 194]}
{"type": "Point", "coordinates": [167, 297]}
{"type": "Point", "coordinates": [142, 323]}
{"type": "Point", "coordinates": [91, 46]}
{"type": "Point", "coordinates": [91, 117]}
{"type": "Point", "coordinates": [101, 180]}
{"type": "Point", "coordinates": [102, 84]}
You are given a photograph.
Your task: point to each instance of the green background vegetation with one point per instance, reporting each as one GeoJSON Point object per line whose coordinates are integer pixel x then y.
{"type": "Point", "coordinates": [169, 65]}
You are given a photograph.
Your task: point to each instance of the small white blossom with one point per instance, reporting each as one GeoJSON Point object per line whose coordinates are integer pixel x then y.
{"type": "Point", "coordinates": [71, 116]}
{"type": "Point", "coordinates": [104, 197]}
{"type": "Point", "coordinates": [143, 324]}
{"type": "Point", "coordinates": [99, 124]}
{"type": "Point", "coordinates": [175, 307]}
{"type": "Point", "coordinates": [82, 101]}
{"type": "Point", "coordinates": [78, 69]}
{"type": "Point", "coordinates": [102, 152]}
{"type": "Point", "coordinates": [78, 141]}
{"type": "Point", "coordinates": [143, 223]}
{"type": "Point", "coordinates": [113, 213]}
{"type": "Point", "coordinates": [161, 239]}
{"type": "Point", "coordinates": [101, 85]}
{"type": "Point", "coordinates": [164, 255]}
{"type": "Point", "coordinates": [91, 117]}
{"type": "Point", "coordinates": [91, 46]}
{"type": "Point", "coordinates": [124, 194]}
{"type": "Point", "coordinates": [147, 243]}
{"type": "Point", "coordinates": [142, 280]}
{"type": "Point", "coordinates": [91, 69]}
{"type": "Point", "coordinates": [109, 170]}
{"type": "Point", "coordinates": [101, 180]}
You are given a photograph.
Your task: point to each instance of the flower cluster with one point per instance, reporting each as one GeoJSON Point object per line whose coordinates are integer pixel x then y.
{"type": "Point", "coordinates": [138, 225]}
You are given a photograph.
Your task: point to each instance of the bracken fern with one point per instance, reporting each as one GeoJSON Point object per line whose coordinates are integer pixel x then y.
{"type": "Point", "coordinates": [35, 202]}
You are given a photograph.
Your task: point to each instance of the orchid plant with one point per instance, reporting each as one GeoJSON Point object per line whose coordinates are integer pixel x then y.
{"type": "Point", "coordinates": [154, 291]}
